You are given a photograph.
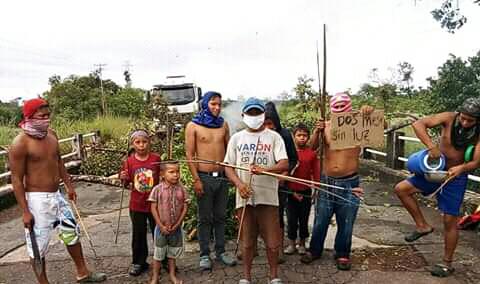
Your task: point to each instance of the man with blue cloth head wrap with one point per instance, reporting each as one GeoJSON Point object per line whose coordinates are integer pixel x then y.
{"type": "Point", "coordinates": [210, 116]}
{"type": "Point", "coordinates": [206, 137]}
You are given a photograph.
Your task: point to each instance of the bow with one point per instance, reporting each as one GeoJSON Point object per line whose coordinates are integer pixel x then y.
{"type": "Point", "coordinates": [246, 200]}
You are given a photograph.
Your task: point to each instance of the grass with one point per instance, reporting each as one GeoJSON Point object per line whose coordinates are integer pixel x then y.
{"type": "Point", "coordinates": [411, 147]}
{"type": "Point", "coordinates": [110, 128]}
{"type": "Point", "coordinates": [7, 134]}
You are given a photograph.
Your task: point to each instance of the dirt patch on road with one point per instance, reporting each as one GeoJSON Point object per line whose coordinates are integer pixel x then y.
{"type": "Point", "coordinates": [404, 258]}
{"type": "Point", "coordinates": [10, 213]}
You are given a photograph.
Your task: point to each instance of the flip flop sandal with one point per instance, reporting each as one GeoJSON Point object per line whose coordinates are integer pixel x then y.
{"type": "Point", "coordinates": [415, 235]}
{"type": "Point", "coordinates": [343, 263]}
{"type": "Point", "coordinates": [276, 281]}
{"type": "Point", "coordinates": [93, 277]}
{"type": "Point", "coordinates": [442, 270]}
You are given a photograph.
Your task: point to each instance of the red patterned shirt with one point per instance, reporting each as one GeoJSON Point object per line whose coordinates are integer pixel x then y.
{"type": "Point", "coordinates": [170, 200]}
{"type": "Point", "coordinates": [143, 175]}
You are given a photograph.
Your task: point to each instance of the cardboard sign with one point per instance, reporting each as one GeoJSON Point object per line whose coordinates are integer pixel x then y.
{"type": "Point", "coordinates": [352, 129]}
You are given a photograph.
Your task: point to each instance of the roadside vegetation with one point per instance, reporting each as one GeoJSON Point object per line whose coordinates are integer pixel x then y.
{"type": "Point", "coordinates": [79, 106]}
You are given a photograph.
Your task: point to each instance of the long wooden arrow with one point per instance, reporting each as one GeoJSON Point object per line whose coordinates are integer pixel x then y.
{"type": "Point", "coordinates": [322, 93]}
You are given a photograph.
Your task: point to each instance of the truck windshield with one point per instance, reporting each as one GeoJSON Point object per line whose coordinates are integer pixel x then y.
{"type": "Point", "coordinates": [176, 96]}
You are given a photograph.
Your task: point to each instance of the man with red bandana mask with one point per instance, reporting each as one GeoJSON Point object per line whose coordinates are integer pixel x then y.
{"type": "Point", "coordinates": [36, 127]}
{"type": "Point", "coordinates": [37, 170]}
{"type": "Point", "coordinates": [340, 168]}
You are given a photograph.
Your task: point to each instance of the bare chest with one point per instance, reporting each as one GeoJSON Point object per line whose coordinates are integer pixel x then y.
{"type": "Point", "coordinates": [210, 136]}
{"type": "Point", "coordinates": [344, 154]}
{"type": "Point", "coordinates": [45, 150]}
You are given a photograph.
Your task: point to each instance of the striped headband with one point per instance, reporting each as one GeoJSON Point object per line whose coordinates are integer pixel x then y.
{"type": "Point", "coordinates": [340, 102]}
{"type": "Point", "coordinates": [139, 133]}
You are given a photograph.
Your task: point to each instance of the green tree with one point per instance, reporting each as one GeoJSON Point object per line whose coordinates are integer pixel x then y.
{"type": "Point", "coordinates": [449, 15]}
{"type": "Point", "coordinates": [305, 93]}
{"type": "Point", "coordinates": [78, 97]}
{"type": "Point", "coordinates": [379, 96]}
{"type": "Point", "coordinates": [405, 77]}
{"type": "Point", "coordinates": [457, 80]}
{"type": "Point", "coordinates": [127, 102]}
{"type": "Point", "coordinates": [10, 112]}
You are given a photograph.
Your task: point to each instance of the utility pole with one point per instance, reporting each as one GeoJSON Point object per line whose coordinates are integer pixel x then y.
{"type": "Point", "coordinates": [127, 74]}
{"type": "Point", "coordinates": [98, 69]}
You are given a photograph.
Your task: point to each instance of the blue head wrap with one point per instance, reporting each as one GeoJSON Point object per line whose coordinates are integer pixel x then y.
{"type": "Point", "coordinates": [204, 117]}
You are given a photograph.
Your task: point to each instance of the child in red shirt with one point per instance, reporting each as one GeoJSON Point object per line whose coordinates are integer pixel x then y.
{"type": "Point", "coordinates": [140, 172]}
{"type": "Point", "coordinates": [299, 202]}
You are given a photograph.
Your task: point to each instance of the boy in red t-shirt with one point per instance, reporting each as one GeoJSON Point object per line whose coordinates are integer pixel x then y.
{"type": "Point", "coordinates": [299, 202]}
{"type": "Point", "coordinates": [140, 172]}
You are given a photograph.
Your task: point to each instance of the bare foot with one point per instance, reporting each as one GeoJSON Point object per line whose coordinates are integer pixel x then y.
{"type": "Point", "coordinates": [425, 229]}
{"type": "Point", "coordinates": [154, 281]}
{"type": "Point", "coordinates": [175, 280]}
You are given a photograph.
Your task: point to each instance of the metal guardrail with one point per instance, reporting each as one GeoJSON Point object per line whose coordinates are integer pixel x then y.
{"type": "Point", "coordinates": [395, 140]}
{"type": "Point", "coordinates": [77, 154]}
{"type": "Point", "coordinates": [66, 139]}
{"type": "Point", "coordinates": [376, 152]}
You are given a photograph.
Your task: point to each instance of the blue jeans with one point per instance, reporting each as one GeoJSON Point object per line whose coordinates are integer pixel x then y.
{"type": "Point", "coordinates": [345, 210]}
{"type": "Point", "coordinates": [212, 208]}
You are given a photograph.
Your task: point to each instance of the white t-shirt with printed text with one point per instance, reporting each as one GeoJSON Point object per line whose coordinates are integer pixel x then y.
{"type": "Point", "coordinates": [241, 151]}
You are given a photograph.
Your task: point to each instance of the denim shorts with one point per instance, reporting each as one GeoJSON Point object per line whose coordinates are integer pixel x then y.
{"type": "Point", "coordinates": [170, 246]}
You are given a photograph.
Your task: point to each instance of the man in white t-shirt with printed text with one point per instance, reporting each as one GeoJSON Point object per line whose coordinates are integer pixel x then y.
{"type": "Point", "coordinates": [262, 150]}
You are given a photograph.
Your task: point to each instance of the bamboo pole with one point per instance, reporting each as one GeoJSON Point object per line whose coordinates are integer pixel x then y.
{"type": "Point", "coordinates": [121, 196]}
{"type": "Point", "coordinates": [84, 228]}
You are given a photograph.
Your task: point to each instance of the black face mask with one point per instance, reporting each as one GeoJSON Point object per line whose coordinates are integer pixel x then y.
{"type": "Point", "coordinates": [462, 137]}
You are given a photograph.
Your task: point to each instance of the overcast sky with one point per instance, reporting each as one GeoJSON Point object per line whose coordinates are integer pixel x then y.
{"type": "Point", "coordinates": [249, 48]}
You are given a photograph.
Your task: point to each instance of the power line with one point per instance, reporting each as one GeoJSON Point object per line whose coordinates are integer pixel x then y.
{"type": "Point", "coordinates": [127, 74]}
{"type": "Point", "coordinates": [98, 70]}
{"type": "Point", "coordinates": [127, 65]}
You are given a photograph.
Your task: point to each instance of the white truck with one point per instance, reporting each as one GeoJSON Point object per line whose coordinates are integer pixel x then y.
{"type": "Point", "coordinates": [181, 96]}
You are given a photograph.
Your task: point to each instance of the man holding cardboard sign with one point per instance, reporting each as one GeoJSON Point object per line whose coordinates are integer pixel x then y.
{"type": "Point", "coordinates": [340, 169]}
{"type": "Point", "coordinates": [351, 129]}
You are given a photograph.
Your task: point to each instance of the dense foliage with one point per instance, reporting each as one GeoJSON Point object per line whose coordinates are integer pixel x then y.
{"type": "Point", "coordinates": [81, 98]}
{"type": "Point", "coordinates": [10, 113]}
{"type": "Point", "coordinates": [456, 81]}
{"type": "Point", "coordinates": [79, 107]}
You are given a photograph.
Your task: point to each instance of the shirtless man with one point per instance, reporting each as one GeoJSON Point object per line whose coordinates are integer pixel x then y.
{"type": "Point", "coordinates": [206, 137]}
{"type": "Point", "coordinates": [37, 170]}
{"type": "Point", "coordinates": [459, 130]}
{"type": "Point", "coordinates": [340, 169]}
